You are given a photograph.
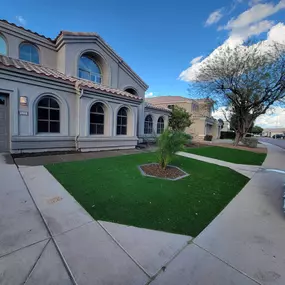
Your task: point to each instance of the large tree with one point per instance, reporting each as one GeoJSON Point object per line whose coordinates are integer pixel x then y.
{"type": "Point", "coordinates": [247, 79]}
{"type": "Point", "coordinates": [179, 119]}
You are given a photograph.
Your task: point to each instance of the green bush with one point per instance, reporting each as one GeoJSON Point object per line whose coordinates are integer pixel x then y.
{"type": "Point", "coordinates": [169, 143]}
{"type": "Point", "coordinates": [250, 142]}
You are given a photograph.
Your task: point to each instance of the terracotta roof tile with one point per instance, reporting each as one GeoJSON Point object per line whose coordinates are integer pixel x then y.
{"type": "Point", "coordinates": [149, 105]}
{"type": "Point", "coordinates": [9, 62]}
{"type": "Point", "coordinates": [24, 29]}
{"type": "Point", "coordinates": [168, 99]}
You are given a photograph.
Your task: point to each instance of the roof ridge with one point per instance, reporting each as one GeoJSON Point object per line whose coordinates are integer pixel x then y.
{"type": "Point", "coordinates": [27, 30]}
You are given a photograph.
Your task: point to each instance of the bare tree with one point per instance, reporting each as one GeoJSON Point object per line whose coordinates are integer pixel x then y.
{"type": "Point", "coordinates": [248, 80]}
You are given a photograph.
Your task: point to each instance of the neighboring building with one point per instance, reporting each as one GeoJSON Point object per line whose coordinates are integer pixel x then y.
{"type": "Point", "coordinates": [71, 92]}
{"type": "Point", "coordinates": [201, 111]}
{"type": "Point", "coordinates": [269, 132]}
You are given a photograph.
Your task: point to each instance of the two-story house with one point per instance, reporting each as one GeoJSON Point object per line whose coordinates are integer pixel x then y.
{"type": "Point", "coordinates": [201, 114]}
{"type": "Point", "coordinates": [71, 92]}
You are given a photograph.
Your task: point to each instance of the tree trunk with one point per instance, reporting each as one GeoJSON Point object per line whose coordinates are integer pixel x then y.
{"type": "Point", "coordinates": [237, 138]}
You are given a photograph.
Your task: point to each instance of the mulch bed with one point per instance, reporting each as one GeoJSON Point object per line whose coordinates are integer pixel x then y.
{"type": "Point", "coordinates": [155, 170]}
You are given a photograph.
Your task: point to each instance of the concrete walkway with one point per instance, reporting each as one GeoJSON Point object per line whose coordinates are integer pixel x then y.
{"type": "Point", "coordinates": [47, 238]}
{"type": "Point", "coordinates": [246, 170]}
{"type": "Point", "coordinates": [247, 236]}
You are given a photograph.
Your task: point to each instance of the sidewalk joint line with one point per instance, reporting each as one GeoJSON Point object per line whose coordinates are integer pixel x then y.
{"type": "Point", "coordinates": [36, 262]}
{"type": "Point", "coordinates": [225, 262]}
{"type": "Point", "coordinates": [69, 272]}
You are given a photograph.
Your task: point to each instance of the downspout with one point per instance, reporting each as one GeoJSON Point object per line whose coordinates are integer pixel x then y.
{"type": "Point", "coordinates": [78, 121]}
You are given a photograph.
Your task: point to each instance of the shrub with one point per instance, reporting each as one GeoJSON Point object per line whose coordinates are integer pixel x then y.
{"type": "Point", "coordinates": [228, 135]}
{"type": "Point", "coordinates": [169, 143]}
{"type": "Point", "coordinates": [250, 142]}
{"type": "Point", "coordinates": [179, 119]}
{"type": "Point", "coordinates": [208, 138]}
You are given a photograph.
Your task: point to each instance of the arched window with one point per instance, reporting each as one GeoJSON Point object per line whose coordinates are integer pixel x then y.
{"type": "Point", "coordinates": [122, 121]}
{"type": "Point", "coordinates": [131, 91]}
{"type": "Point", "coordinates": [97, 119]}
{"type": "Point", "coordinates": [89, 69]}
{"type": "Point", "coordinates": [29, 52]}
{"type": "Point", "coordinates": [48, 115]}
{"type": "Point", "coordinates": [148, 124]}
{"type": "Point", "coordinates": [3, 46]}
{"type": "Point", "coordinates": [160, 125]}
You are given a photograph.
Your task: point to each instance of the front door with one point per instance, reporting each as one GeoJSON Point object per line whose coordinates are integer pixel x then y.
{"type": "Point", "coordinates": [4, 122]}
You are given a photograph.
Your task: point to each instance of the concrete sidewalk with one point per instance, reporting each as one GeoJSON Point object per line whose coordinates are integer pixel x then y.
{"type": "Point", "coordinates": [28, 254]}
{"type": "Point", "coordinates": [248, 235]}
{"type": "Point", "coordinates": [47, 238]}
{"type": "Point", "coordinates": [246, 170]}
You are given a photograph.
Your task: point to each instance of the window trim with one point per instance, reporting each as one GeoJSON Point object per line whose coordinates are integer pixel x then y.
{"type": "Point", "coordinates": [6, 43]}
{"type": "Point", "coordinates": [35, 46]}
{"type": "Point", "coordinates": [160, 124]}
{"type": "Point", "coordinates": [147, 125]}
{"type": "Point", "coordinates": [48, 120]}
{"type": "Point", "coordinates": [122, 125]}
{"type": "Point", "coordinates": [104, 118]}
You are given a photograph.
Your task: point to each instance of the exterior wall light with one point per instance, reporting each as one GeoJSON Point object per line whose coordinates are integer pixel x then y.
{"type": "Point", "coordinates": [23, 101]}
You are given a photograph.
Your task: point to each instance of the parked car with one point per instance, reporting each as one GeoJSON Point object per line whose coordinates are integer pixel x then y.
{"type": "Point", "coordinates": [278, 136]}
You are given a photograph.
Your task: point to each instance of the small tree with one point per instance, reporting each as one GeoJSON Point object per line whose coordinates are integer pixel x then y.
{"type": "Point", "coordinates": [257, 130]}
{"type": "Point", "coordinates": [180, 119]}
{"type": "Point", "coordinates": [169, 143]}
{"type": "Point", "coordinates": [248, 79]}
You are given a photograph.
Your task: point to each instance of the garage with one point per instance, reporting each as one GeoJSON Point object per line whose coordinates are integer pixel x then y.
{"type": "Point", "coordinates": [4, 122]}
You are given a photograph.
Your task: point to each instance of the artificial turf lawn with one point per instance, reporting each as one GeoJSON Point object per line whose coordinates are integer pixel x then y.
{"type": "Point", "coordinates": [229, 154]}
{"type": "Point", "coordinates": [113, 189]}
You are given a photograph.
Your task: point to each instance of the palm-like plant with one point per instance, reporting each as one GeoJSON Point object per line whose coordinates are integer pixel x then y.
{"type": "Point", "coordinates": [169, 143]}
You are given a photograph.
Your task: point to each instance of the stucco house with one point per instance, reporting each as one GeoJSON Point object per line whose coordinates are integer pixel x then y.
{"type": "Point", "coordinates": [201, 111]}
{"type": "Point", "coordinates": [269, 132]}
{"type": "Point", "coordinates": [71, 92]}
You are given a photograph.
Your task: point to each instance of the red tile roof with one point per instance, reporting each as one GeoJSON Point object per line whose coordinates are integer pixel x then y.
{"type": "Point", "coordinates": [8, 62]}
{"type": "Point", "coordinates": [24, 29]}
{"type": "Point", "coordinates": [149, 105]}
{"type": "Point", "coordinates": [168, 99]}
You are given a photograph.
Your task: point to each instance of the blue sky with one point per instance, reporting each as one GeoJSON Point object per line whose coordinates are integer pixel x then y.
{"type": "Point", "coordinates": [158, 39]}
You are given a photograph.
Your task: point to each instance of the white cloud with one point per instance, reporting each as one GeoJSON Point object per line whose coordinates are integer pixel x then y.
{"type": "Point", "coordinates": [196, 59]}
{"type": "Point", "coordinates": [238, 36]}
{"type": "Point", "coordinates": [214, 17]}
{"type": "Point", "coordinates": [254, 14]}
{"type": "Point", "coordinates": [149, 94]}
{"type": "Point", "coordinates": [273, 118]}
{"type": "Point", "coordinates": [21, 20]}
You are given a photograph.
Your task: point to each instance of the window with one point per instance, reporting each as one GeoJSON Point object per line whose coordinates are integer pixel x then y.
{"type": "Point", "coordinates": [88, 69]}
{"type": "Point", "coordinates": [122, 121]}
{"type": "Point", "coordinates": [97, 119]}
{"type": "Point", "coordinates": [3, 46]}
{"type": "Point", "coordinates": [148, 125]}
{"type": "Point", "coordinates": [160, 125]}
{"type": "Point", "coordinates": [131, 91]}
{"type": "Point", "coordinates": [48, 118]}
{"type": "Point", "coordinates": [29, 52]}
{"type": "Point", "coordinates": [195, 107]}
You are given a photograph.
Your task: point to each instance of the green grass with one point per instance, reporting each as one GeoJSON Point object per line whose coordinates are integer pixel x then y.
{"type": "Point", "coordinates": [113, 189]}
{"type": "Point", "coordinates": [229, 154]}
